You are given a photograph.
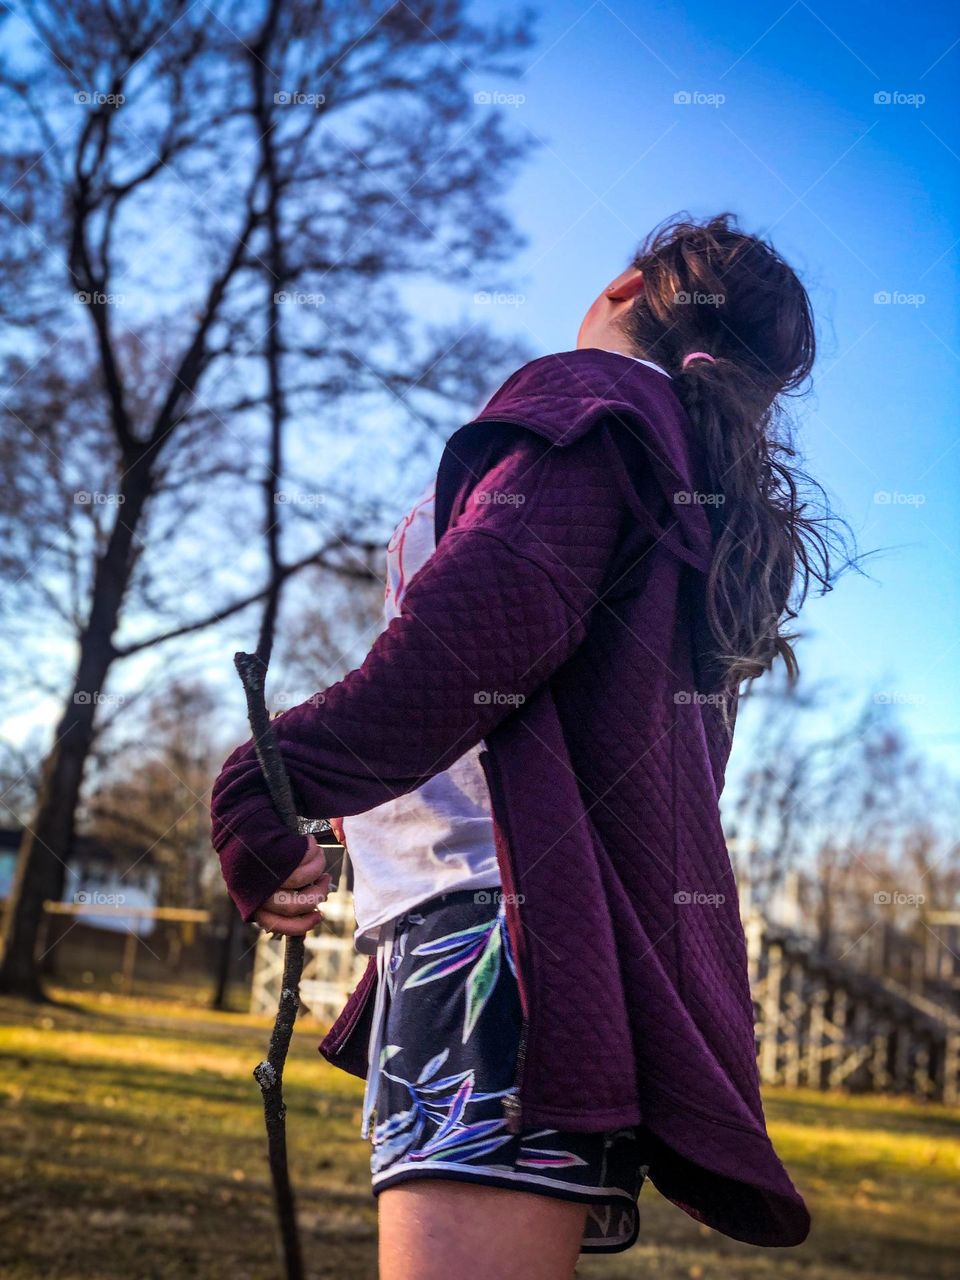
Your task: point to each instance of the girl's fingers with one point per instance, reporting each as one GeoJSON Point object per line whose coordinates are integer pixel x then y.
{"type": "Point", "coordinates": [310, 869]}
{"type": "Point", "coordinates": [289, 926]}
{"type": "Point", "coordinates": [294, 902]}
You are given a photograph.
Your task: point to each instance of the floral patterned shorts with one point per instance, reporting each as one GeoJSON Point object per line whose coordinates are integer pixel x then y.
{"type": "Point", "coordinates": [447, 1054]}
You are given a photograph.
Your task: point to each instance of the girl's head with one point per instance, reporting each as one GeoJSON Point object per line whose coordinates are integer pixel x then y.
{"type": "Point", "coordinates": [708, 286]}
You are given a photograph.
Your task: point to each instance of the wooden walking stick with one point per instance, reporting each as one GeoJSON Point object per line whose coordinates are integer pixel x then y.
{"type": "Point", "coordinates": [252, 669]}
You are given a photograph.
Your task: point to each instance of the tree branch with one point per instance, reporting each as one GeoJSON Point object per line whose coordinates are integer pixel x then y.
{"type": "Point", "coordinates": [362, 574]}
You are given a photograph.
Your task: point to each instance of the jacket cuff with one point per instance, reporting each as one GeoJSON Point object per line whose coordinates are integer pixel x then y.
{"type": "Point", "coordinates": [257, 855]}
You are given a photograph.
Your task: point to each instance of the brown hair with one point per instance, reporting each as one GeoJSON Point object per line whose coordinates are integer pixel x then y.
{"type": "Point", "coordinates": [709, 286]}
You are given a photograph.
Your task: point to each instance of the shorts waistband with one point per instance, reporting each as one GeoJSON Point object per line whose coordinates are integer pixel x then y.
{"type": "Point", "coordinates": [454, 897]}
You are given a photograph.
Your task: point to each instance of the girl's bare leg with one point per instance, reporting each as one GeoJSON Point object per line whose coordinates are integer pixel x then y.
{"type": "Point", "coordinates": [433, 1229]}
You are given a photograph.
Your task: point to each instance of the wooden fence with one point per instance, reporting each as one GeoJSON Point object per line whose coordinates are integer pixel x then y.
{"type": "Point", "coordinates": [825, 1024]}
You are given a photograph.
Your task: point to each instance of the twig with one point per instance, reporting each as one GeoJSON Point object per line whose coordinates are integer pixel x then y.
{"type": "Point", "coordinates": [252, 670]}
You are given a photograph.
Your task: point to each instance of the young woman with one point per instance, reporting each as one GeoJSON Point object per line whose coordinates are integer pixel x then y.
{"type": "Point", "coordinates": [530, 760]}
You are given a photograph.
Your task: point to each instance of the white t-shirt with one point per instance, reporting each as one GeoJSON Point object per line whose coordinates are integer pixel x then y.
{"type": "Point", "coordinates": [440, 837]}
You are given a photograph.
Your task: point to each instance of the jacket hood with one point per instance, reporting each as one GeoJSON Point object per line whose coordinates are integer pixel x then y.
{"type": "Point", "coordinates": [564, 395]}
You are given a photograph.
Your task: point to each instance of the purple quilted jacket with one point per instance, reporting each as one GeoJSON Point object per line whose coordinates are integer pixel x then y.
{"type": "Point", "coordinates": [561, 622]}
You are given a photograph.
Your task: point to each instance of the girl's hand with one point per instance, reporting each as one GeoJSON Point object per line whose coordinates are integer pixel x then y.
{"type": "Point", "coordinates": [293, 909]}
{"type": "Point", "coordinates": [337, 825]}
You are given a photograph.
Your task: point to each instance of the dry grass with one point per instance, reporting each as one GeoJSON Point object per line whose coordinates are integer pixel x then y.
{"type": "Point", "coordinates": [131, 1149]}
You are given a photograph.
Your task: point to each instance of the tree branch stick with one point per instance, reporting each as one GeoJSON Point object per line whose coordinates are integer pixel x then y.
{"type": "Point", "coordinates": [269, 1073]}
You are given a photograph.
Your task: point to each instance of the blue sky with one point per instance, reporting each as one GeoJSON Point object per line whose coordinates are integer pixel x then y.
{"type": "Point", "coordinates": [859, 195]}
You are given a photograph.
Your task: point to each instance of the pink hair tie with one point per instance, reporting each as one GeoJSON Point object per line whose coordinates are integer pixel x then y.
{"type": "Point", "coordinates": [698, 355]}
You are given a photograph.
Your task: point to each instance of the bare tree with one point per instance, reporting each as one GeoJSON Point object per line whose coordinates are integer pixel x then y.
{"type": "Point", "coordinates": [857, 819]}
{"type": "Point", "coordinates": [143, 216]}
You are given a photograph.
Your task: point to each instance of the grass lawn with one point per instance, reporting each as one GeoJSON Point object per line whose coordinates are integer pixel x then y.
{"type": "Point", "coordinates": [131, 1147]}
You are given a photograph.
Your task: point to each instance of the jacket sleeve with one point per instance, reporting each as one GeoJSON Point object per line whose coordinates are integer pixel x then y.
{"type": "Point", "coordinates": [500, 605]}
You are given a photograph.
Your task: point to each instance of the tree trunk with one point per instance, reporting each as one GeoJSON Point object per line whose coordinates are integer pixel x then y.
{"type": "Point", "coordinates": [44, 850]}
{"type": "Point", "coordinates": [225, 959]}
{"type": "Point", "coordinates": [47, 840]}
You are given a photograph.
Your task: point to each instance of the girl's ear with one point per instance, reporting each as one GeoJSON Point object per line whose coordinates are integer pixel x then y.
{"type": "Point", "coordinates": [627, 285]}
